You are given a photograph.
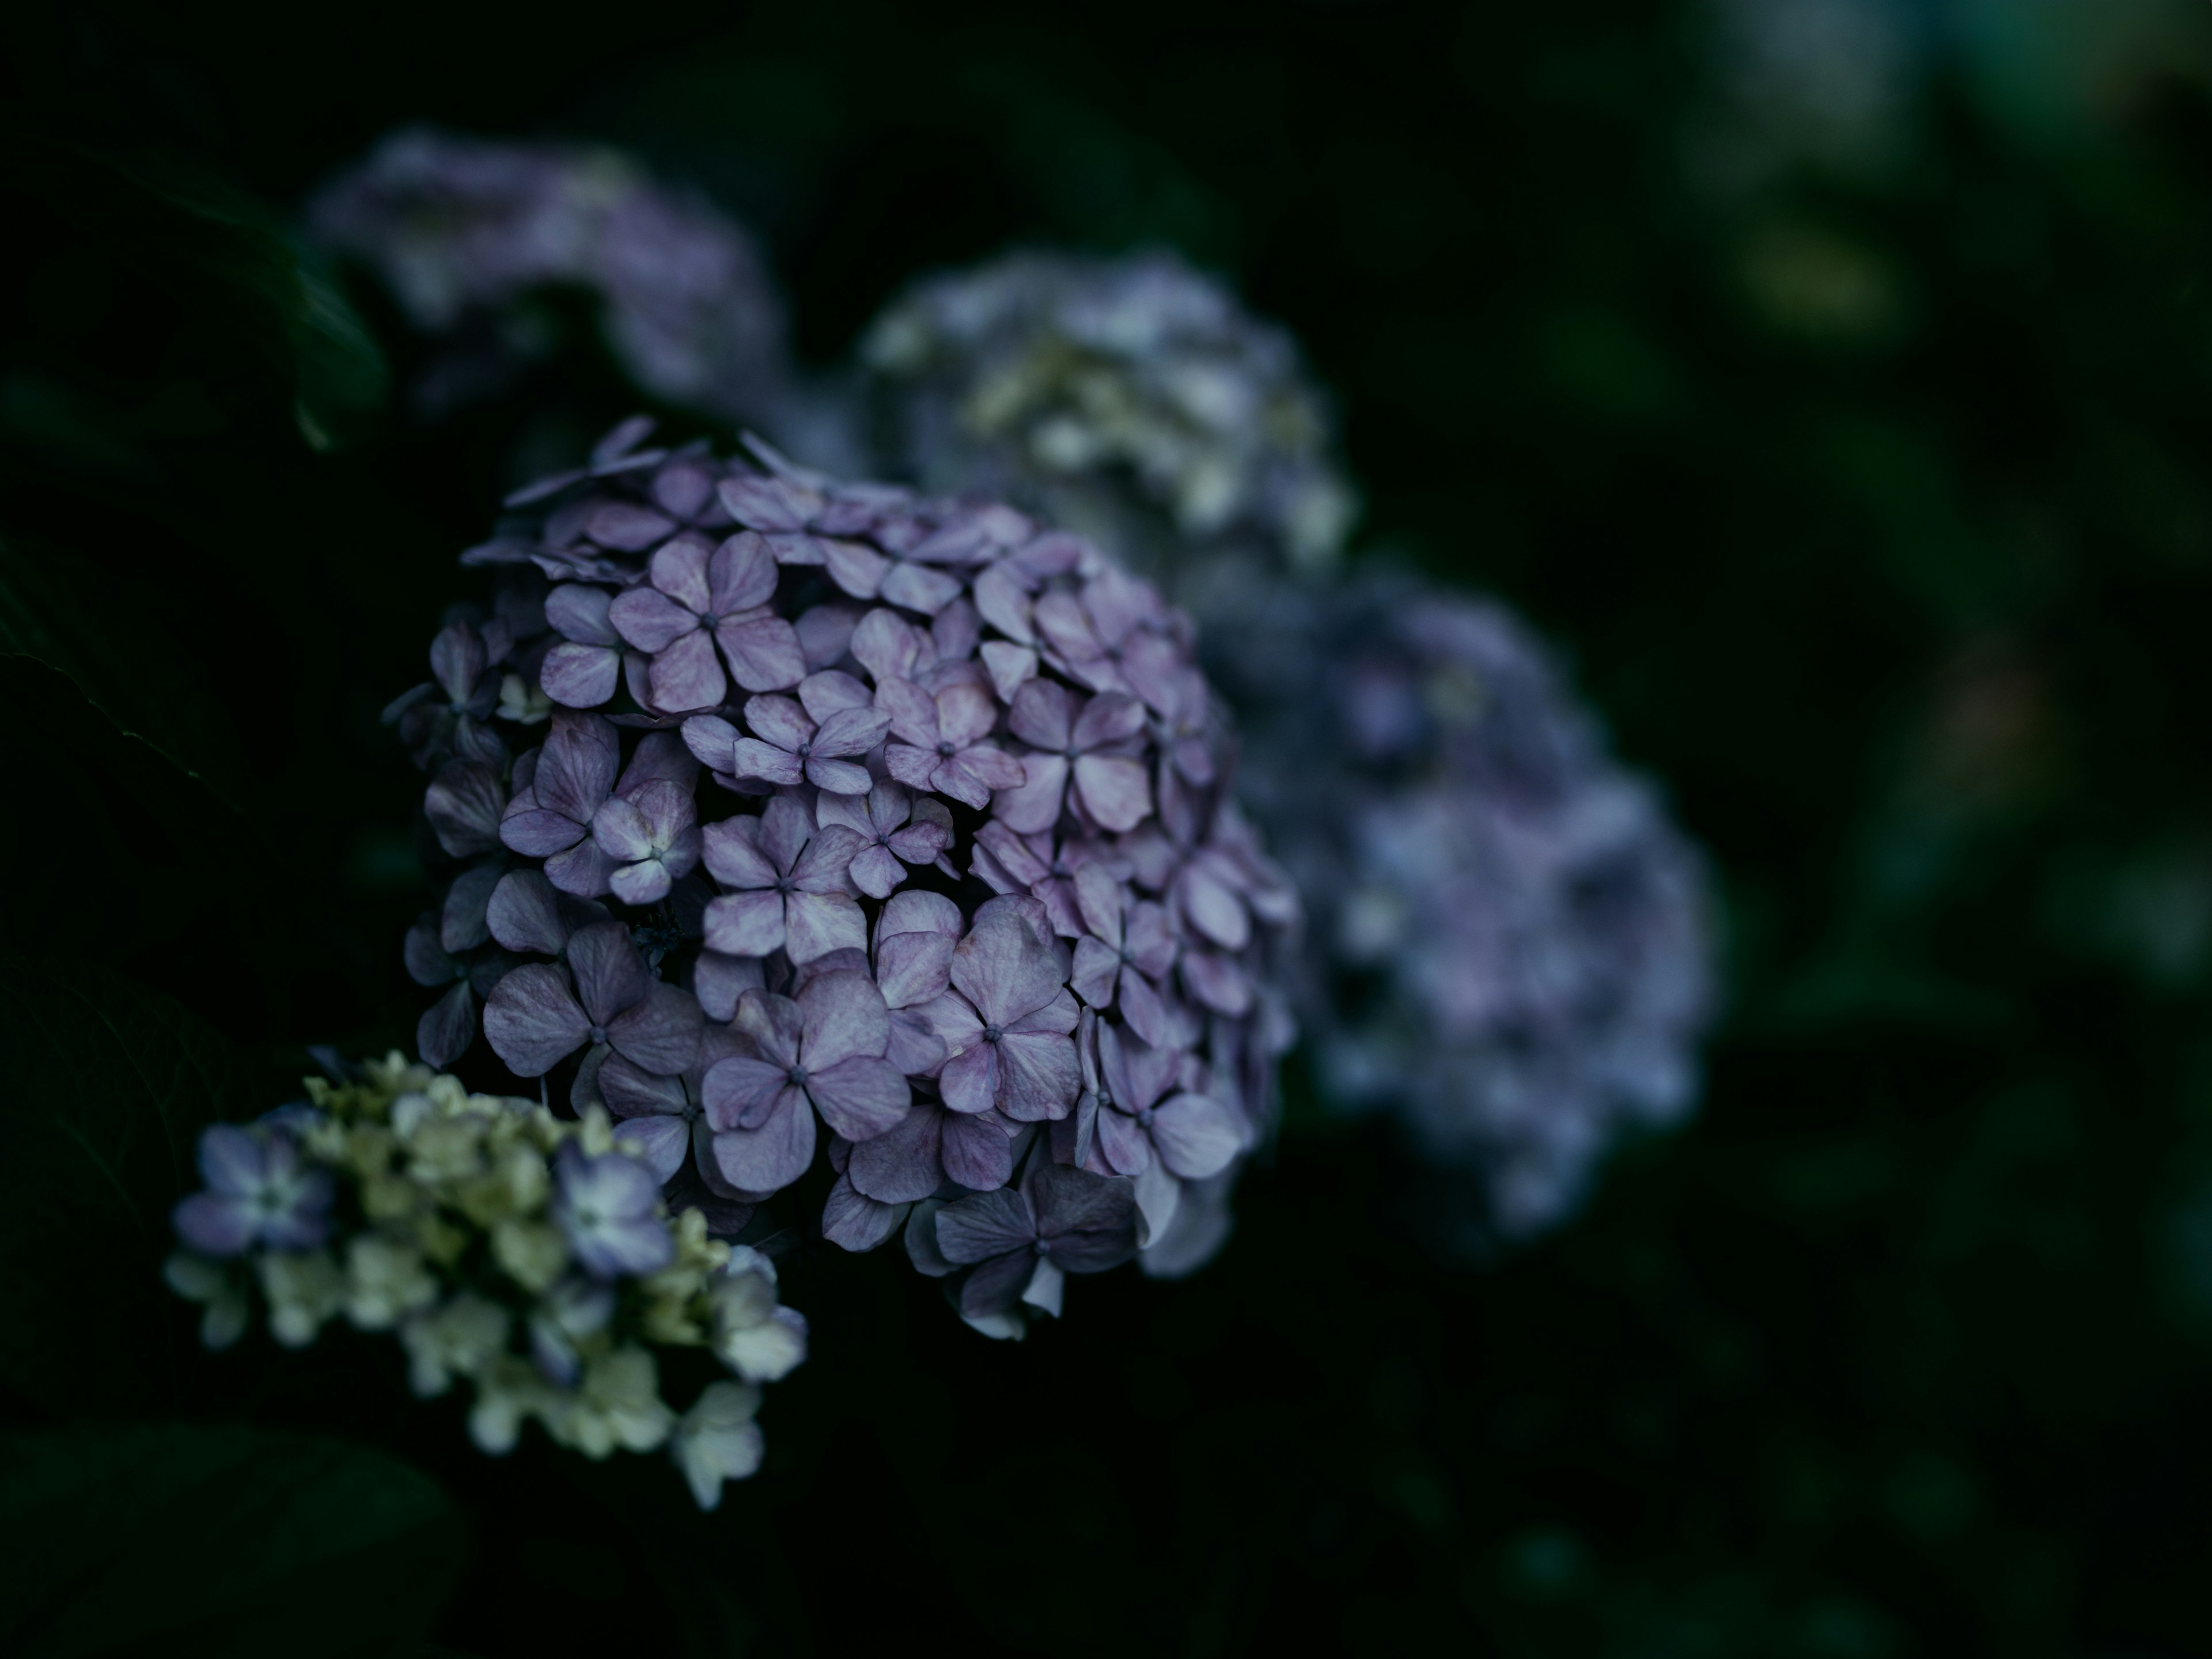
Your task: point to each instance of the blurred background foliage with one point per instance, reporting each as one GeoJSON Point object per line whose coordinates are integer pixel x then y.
{"type": "Point", "coordinates": [1833, 377]}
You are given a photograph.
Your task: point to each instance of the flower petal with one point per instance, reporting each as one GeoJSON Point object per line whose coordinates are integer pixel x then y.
{"type": "Point", "coordinates": [902, 1165]}
{"type": "Point", "coordinates": [816, 924]}
{"type": "Point", "coordinates": [744, 924]}
{"type": "Point", "coordinates": [860, 1098]}
{"type": "Point", "coordinates": [610, 975]}
{"type": "Point", "coordinates": [763, 651]}
{"type": "Point", "coordinates": [687, 675]}
{"type": "Point", "coordinates": [533, 1021]}
{"type": "Point", "coordinates": [768, 1158]}
{"type": "Point", "coordinates": [1196, 1135]}
{"type": "Point", "coordinates": [648, 619]}
{"type": "Point", "coordinates": [843, 1015]}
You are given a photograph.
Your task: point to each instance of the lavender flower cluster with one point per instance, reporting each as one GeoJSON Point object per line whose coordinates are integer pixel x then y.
{"type": "Point", "coordinates": [1086, 388]}
{"type": "Point", "coordinates": [1512, 938]}
{"type": "Point", "coordinates": [531, 1257]}
{"type": "Point", "coordinates": [1509, 944]}
{"type": "Point", "coordinates": [461, 230]}
{"type": "Point", "coordinates": [784, 811]}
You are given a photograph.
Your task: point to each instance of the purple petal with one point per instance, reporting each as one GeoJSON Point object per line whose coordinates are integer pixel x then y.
{"type": "Point", "coordinates": [1096, 968]}
{"type": "Point", "coordinates": [626, 527]}
{"type": "Point", "coordinates": [740, 575]}
{"type": "Point", "coordinates": [851, 731]}
{"type": "Point", "coordinates": [688, 676]}
{"type": "Point", "coordinates": [969, 1081]}
{"type": "Point", "coordinates": [876, 872]}
{"type": "Point", "coordinates": [821, 868]}
{"type": "Point", "coordinates": [538, 833]}
{"type": "Point", "coordinates": [1038, 1078]}
{"type": "Point", "coordinates": [770, 1157]}
{"type": "Point", "coordinates": [918, 588]}
{"type": "Point", "coordinates": [720, 981]}
{"type": "Point", "coordinates": [1107, 719]}
{"type": "Point", "coordinates": [679, 571]}
{"type": "Point", "coordinates": [577, 766]}
{"type": "Point", "coordinates": [447, 1027]}
{"type": "Point", "coordinates": [977, 1151]}
{"type": "Point", "coordinates": [856, 569]}
{"type": "Point", "coordinates": [1043, 714]}
{"type": "Point", "coordinates": [628, 1089]}
{"type": "Point", "coordinates": [886, 645]}
{"type": "Point", "coordinates": [734, 856]}
{"type": "Point", "coordinates": [1197, 1136]}
{"type": "Point", "coordinates": [996, 1287]}
{"type": "Point", "coordinates": [648, 619]}
{"type": "Point", "coordinates": [610, 975]}
{"type": "Point", "coordinates": [662, 1141]}
{"type": "Point", "coordinates": [746, 924]}
{"type": "Point", "coordinates": [832, 691]}
{"type": "Point", "coordinates": [620, 829]}
{"type": "Point", "coordinates": [760, 503]}
{"type": "Point", "coordinates": [1123, 1140]}
{"type": "Point", "coordinates": [965, 714]}
{"type": "Point", "coordinates": [711, 739]}
{"type": "Point", "coordinates": [533, 1020]}
{"type": "Point", "coordinates": [985, 1224]}
{"type": "Point", "coordinates": [582, 870]}
{"type": "Point", "coordinates": [764, 654]}
{"type": "Point", "coordinates": [859, 1098]}
{"type": "Point", "coordinates": [523, 914]}
{"type": "Point", "coordinates": [915, 1049]}
{"type": "Point", "coordinates": [1005, 967]}
{"type": "Point", "coordinates": [1115, 790]}
{"type": "Point", "coordinates": [785, 825]}
{"type": "Point", "coordinates": [580, 676]}
{"type": "Point", "coordinates": [854, 1221]}
{"type": "Point", "coordinates": [779, 720]}
{"type": "Point", "coordinates": [913, 968]}
{"type": "Point", "coordinates": [661, 757]}
{"type": "Point", "coordinates": [741, 1091]}
{"type": "Point", "coordinates": [816, 924]}
{"type": "Point", "coordinates": [660, 1032]}
{"type": "Point", "coordinates": [1033, 807]}
{"type": "Point", "coordinates": [843, 1016]}
{"type": "Point", "coordinates": [1011, 667]}
{"type": "Point", "coordinates": [751, 758]}
{"type": "Point", "coordinates": [464, 805]}
{"type": "Point", "coordinates": [578, 612]}
{"type": "Point", "coordinates": [825, 631]}
{"type": "Point", "coordinates": [1142, 1008]}
{"type": "Point", "coordinates": [902, 1165]}
{"type": "Point", "coordinates": [213, 1225]}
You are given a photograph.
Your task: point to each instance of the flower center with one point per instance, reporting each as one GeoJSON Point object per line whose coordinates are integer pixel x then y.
{"type": "Point", "coordinates": [598, 1034]}
{"type": "Point", "coordinates": [944, 747]}
{"type": "Point", "coordinates": [796, 1077]}
{"type": "Point", "coordinates": [993, 1033]}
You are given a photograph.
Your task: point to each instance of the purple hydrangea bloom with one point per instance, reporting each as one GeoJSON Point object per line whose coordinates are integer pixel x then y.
{"type": "Point", "coordinates": [719, 970]}
{"type": "Point", "coordinates": [606, 1207]}
{"type": "Point", "coordinates": [258, 1192]}
{"type": "Point", "coordinates": [464, 231]}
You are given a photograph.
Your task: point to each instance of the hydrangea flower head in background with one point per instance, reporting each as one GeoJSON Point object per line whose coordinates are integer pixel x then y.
{"type": "Point", "coordinates": [1512, 940]}
{"type": "Point", "coordinates": [463, 231]}
{"type": "Point", "coordinates": [1131, 399]}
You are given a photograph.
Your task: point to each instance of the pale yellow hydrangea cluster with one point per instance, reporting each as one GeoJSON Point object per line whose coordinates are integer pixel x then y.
{"type": "Point", "coordinates": [459, 1252]}
{"type": "Point", "coordinates": [1076, 369]}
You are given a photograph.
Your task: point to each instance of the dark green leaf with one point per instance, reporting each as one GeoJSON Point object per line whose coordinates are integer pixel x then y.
{"type": "Point", "coordinates": [110, 1084]}
{"type": "Point", "coordinates": [57, 609]}
{"type": "Point", "coordinates": [181, 1539]}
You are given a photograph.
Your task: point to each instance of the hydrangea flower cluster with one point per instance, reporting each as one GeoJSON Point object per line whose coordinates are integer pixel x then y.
{"type": "Point", "coordinates": [787, 816]}
{"type": "Point", "coordinates": [1512, 939]}
{"type": "Point", "coordinates": [461, 229]}
{"type": "Point", "coordinates": [1133, 399]}
{"type": "Point", "coordinates": [1509, 947]}
{"type": "Point", "coordinates": [531, 1258]}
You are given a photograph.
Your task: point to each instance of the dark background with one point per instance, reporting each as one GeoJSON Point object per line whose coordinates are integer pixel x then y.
{"type": "Point", "coordinates": [1866, 487]}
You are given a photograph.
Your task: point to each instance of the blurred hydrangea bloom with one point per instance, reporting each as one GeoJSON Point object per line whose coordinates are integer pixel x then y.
{"type": "Point", "coordinates": [462, 230]}
{"type": "Point", "coordinates": [528, 1256]}
{"type": "Point", "coordinates": [1508, 947]}
{"type": "Point", "coordinates": [1512, 938]}
{"type": "Point", "coordinates": [855, 813]}
{"type": "Point", "coordinates": [1134, 400]}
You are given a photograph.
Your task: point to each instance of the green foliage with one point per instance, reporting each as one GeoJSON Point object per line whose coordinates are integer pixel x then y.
{"type": "Point", "coordinates": [111, 1084]}
{"type": "Point", "coordinates": [225, 1542]}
